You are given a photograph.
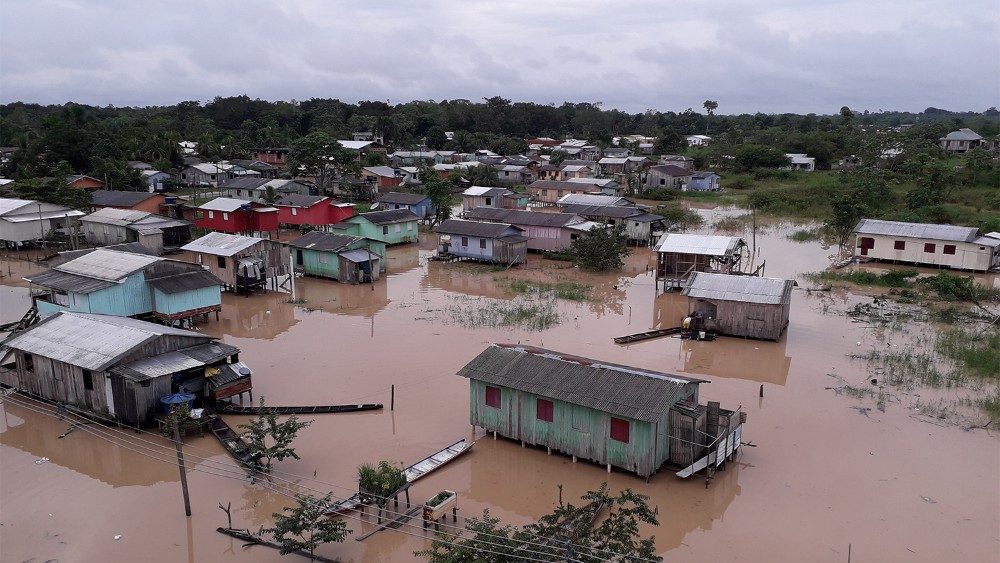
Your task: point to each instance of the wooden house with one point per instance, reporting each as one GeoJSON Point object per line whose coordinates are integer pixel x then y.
{"type": "Point", "coordinates": [126, 284]}
{"type": "Point", "coordinates": [257, 189]}
{"type": "Point", "coordinates": [545, 231]}
{"type": "Point", "coordinates": [641, 227]}
{"type": "Point", "coordinates": [81, 182]}
{"type": "Point", "coordinates": [497, 198]}
{"type": "Point", "coordinates": [115, 226]}
{"type": "Point", "coordinates": [313, 210]}
{"type": "Point", "coordinates": [384, 178]}
{"type": "Point", "coordinates": [419, 204]}
{"type": "Point", "coordinates": [240, 262]}
{"type": "Point", "coordinates": [611, 414]}
{"type": "Point", "coordinates": [346, 258]}
{"type": "Point", "coordinates": [236, 216]}
{"type": "Point", "coordinates": [549, 191]}
{"type": "Point", "coordinates": [135, 201]}
{"type": "Point", "coordinates": [24, 220]}
{"type": "Point", "coordinates": [667, 176]}
{"type": "Point", "coordinates": [680, 255]}
{"type": "Point", "coordinates": [120, 367]}
{"type": "Point", "coordinates": [497, 243]}
{"type": "Point", "coordinates": [595, 199]}
{"type": "Point", "coordinates": [273, 156]}
{"type": "Point", "coordinates": [748, 306]}
{"type": "Point", "coordinates": [393, 226]}
{"type": "Point", "coordinates": [703, 182]}
{"type": "Point", "coordinates": [950, 246]}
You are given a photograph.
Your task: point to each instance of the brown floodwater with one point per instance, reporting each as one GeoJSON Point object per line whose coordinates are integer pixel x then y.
{"type": "Point", "coordinates": [827, 474]}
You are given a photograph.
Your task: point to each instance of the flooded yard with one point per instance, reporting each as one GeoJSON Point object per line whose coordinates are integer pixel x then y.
{"type": "Point", "coordinates": [831, 469]}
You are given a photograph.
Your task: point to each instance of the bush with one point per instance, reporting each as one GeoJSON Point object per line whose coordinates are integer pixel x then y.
{"type": "Point", "coordinates": [659, 194]}
{"type": "Point", "coordinates": [960, 288]}
{"type": "Point", "coordinates": [679, 216]}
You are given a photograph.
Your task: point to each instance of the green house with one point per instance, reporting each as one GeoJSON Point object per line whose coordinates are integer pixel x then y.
{"type": "Point", "coordinates": [347, 258]}
{"type": "Point", "coordinates": [392, 226]}
{"type": "Point", "coordinates": [610, 414]}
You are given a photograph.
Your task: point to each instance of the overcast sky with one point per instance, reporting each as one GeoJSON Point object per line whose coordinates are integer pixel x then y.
{"type": "Point", "coordinates": [749, 55]}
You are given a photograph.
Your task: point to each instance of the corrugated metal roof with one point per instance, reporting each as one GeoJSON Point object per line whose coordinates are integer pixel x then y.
{"type": "Point", "coordinates": [916, 230]}
{"type": "Point", "coordinates": [520, 217]}
{"type": "Point", "coordinates": [476, 229]}
{"type": "Point", "coordinates": [388, 216]}
{"type": "Point", "coordinates": [619, 390]}
{"type": "Point", "coordinates": [8, 204]}
{"type": "Point", "coordinates": [221, 244]}
{"type": "Point", "coordinates": [112, 216]}
{"type": "Point", "coordinates": [359, 255]}
{"type": "Point", "coordinates": [176, 361]}
{"type": "Point", "coordinates": [43, 215]}
{"type": "Point", "coordinates": [963, 134]}
{"type": "Point", "coordinates": [224, 204]}
{"type": "Point", "coordinates": [90, 341]}
{"type": "Point", "coordinates": [479, 191]}
{"type": "Point", "coordinates": [323, 241]}
{"type": "Point", "coordinates": [402, 198]}
{"type": "Point", "coordinates": [709, 245]}
{"type": "Point", "coordinates": [70, 283]}
{"type": "Point", "coordinates": [229, 373]}
{"type": "Point", "coordinates": [114, 198]}
{"type": "Point", "coordinates": [107, 265]}
{"type": "Point", "coordinates": [610, 211]}
{"type": "Point", "coordinates": [299, 200]}
{"type": "Point", "coordinates": [593, 199]}
{"type": "Point", "coordinates": [745, 289]}
{"type": "Point", "coordinates": [174, 276]}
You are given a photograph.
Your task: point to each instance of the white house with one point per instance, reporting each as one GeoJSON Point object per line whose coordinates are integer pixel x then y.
{"type": "Point", "coordinates": [698, 140]}
{"type": "Point", "coordinates": [960, 141]}
{"type": "Point", "coordinates": [799, 161]}
{"type": "Point", "coordinates": [951, 246]}
{"type": "Point", "coordinates": [23, 220]}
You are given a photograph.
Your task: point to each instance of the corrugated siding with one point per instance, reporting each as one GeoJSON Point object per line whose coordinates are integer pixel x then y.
{"type": "Point", "coordinates": [127, 299]}
{"type": "Point", "coordinates": [173, 303]}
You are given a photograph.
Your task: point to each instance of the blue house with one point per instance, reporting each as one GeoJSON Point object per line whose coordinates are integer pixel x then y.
{"type": "Point", "coordinates": [703, 182]}
{"type": "Point", "coordinates": [499, 243]}
{"type": "Point", "coordinates": [126, 284]}
{"type": "Point", "coordinates": [419, 204]}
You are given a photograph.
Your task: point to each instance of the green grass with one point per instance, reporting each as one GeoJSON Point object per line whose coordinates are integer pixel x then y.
{"type": "Point", "coordinates": [805, 235]}
{"type": "Point", "coordinates": [679, 216]}
{"type": "Point", "coordinates": [991, 405]}
{"type": "Point", "coordinates": [894, 278]}
{"type": "Point", "coordinates": [951, 287]}
{"type": "Point", "coordinates": [533, 312]}
{"type": "Point", "coordinates": [977, 353]}
{"type": "Point", "coordinates": [570, 291]}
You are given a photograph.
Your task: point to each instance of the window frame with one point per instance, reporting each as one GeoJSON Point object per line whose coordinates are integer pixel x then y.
{"type": "Point", "coordinates": [620, 428]}
{"type": "Point", "coordinates": [930, 248]}
{"type": "Point", "coordinates": [493, 397]}
{"type": "Point", "coordinates": [88, 380]}
{"type": "Point", "coordinates": [544, 410]}
{"type": "Point", "coordinates": [482, 244]}
{"type": "Point", "coordinates": [899, 245]}
{"type": "Point", "coordinates": [221, 262]}
{"type": "Point", "coordinates": [949, 247]}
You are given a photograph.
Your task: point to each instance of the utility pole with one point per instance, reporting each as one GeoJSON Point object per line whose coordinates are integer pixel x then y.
{"type": "Point", "coordinates": [180, 465]}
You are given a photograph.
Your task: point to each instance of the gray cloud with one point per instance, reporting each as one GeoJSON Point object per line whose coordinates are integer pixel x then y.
{"type": "Point", "coordinates": [795, 56]}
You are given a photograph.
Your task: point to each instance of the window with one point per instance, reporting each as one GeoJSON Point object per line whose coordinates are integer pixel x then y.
{"type": "Point", "coordinates": [211, 215]}
{"type": "Point", "coordinates": [399, 228]}
{"type": "Point", "coordinates": [88, 380]}
{"type": "Point", "coordinates": [409, 226]}
{"type": "Point", "coordinates": [225, 216]}
{"type": "Point", "coordinates": [663, 181]}
{"type": "Point", "coordinates": [619, 430]}
{"type": "Point", "coordinates": [489, 201]}
{"type": "Point", "coordinates": [929, 247]}
{"type": "Point", "coordinates": [949, 249]}
{"type": "Point", "coordinates": [482, 243]}
{"type": "Point", "coordinates": [199, 214]}
{"type": "Point", "coordinates": [295, 212]}
{"type": "Point", "coordinates": [543, 410]}
{"type": "Point", "coordinates": [899, 245]}
{"type": "Point", "coordinates": [493, 397]}
{"type": "Point", "coordinates": [221, 261]}
{"type": "Point", "coordinates": [465, 241]}
{"type": "Point", "coordinates": [29, 362]}
{"type": "Point", "coordinates": [385, 230]}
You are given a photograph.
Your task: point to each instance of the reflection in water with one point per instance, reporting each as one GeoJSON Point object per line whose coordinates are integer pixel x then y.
{"type": "Point", "coordinates": [738, 358]}
{"type": "Point", "coordinates": [262, 315]}
{"type": "Point", "coordinates": [364, 299]}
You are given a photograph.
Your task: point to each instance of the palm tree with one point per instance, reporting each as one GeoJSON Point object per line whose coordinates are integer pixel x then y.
{"type": "Point", "coordinates": [710, 107]}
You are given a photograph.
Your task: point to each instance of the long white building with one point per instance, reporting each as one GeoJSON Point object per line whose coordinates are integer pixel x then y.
{"type": "Point", "coordinates": [951, 246]}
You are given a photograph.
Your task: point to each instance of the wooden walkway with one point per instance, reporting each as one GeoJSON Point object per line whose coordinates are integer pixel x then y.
{"type": "Point", "coordinates": [225, 407]}
{"type": "Point", "coordinates": [648, 335]}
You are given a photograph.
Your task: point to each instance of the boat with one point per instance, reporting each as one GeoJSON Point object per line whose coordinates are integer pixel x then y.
{"type": "Point", "coordinates": [436, 460]}
{"type": "Point", "coordinates": [344, 506]}
{"type": "Point", "coordinates": [649, 334]}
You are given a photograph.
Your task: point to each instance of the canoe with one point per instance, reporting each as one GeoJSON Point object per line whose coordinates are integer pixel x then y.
{"type": "Point", "coordinates": [436, 460]}
{"type": "Point", "coordinates": [344, 506]}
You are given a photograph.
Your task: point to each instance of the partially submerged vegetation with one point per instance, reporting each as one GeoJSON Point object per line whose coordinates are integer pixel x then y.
{"type": "Point", "coordinates": [571, 291]}
{"type": "Point", "coordinates": [535, 311]}
{"type": "Point", "coordinates": [943, 285]}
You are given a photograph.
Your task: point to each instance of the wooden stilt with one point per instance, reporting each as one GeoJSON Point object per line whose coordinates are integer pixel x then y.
{"type": "Point", "coordinates": [494, 434]}
{"type": "Point", "coordinates": [574, 459]}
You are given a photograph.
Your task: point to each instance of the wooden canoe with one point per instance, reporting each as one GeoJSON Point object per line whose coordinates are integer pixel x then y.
{"type": "Point", "coordinates": [436, 460]}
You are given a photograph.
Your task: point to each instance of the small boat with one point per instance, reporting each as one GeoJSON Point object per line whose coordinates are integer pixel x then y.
{"type": "Point", "coordinates": [649, 334]}
{"type": "Point", "coordinates": [436, 460]}
{"type": "Point", "coordinates": [344, 506]}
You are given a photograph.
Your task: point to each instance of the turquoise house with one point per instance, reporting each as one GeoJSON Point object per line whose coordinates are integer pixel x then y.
{"type": "Point", "coordinates": [346, 258]}
{"type": "Point", "coordinates": [392, 226]}
{"type": "Point", "coordinates": [127, 284]}
{"type": "Point", "coordinates": [610, 414]}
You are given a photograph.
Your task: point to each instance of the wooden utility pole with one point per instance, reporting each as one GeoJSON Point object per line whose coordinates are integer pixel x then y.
{"type": "Point", "coordinates": [180, 466]}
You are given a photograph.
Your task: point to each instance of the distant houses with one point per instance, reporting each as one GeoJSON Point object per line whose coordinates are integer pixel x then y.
{"type": "Point", "coordinates": [254, 188]}
{"type": "Point", "coordinates": [346, 258]}
{"type": "Point", "coordinates": [497, 243]}
{"type": "Point", "coordinates": [384, 178]}
{"type": "Point", "coordinates": [950, 246]}
{"type": "Point", "coordinates": [698, 140]}
{"type": "Point", "coordinates": [115, 226]}
{"type": "Point", "coordinates": [747, 306]}
{"type": "Point", "coordinates": [242, 263]}
{"type": "Point", "coordinates": [119, 367]}
{"type": "Point", "coordinates": [549, 191]}
{"type": "Point", "coordinates": [25, 220]}
{"type": "Point", "coordinates": [419, 204]}
{"type": "Point", "coordinates": [126, 284]}
{"type": "Point", "coordinates": [393, 226]}
{"type": "Point", "coordinates": [801, 162]}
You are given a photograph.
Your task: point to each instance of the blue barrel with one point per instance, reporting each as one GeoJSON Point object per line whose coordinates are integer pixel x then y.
{"type": "Point", "coordinates": [172, 399]}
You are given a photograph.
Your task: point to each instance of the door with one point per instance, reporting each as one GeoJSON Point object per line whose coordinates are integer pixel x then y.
{"type": "Point", "coordinates": [865, 244]}
{"type": "Point", "coordinates": [298, 257]}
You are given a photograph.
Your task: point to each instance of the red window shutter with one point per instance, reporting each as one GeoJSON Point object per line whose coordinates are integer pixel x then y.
{"type": "Point", "coordinates": [619, 430]}
{"type": "Point", "coordinates": [493, 397]}
{"type": "Point", "coordinates": [899, 245]}
{"type": "Point", "coordinates": [929, 247]}
{"type": "Point", "coordinates": [544, 410]}
{"type": "Point", "coordinates": [949, 249]}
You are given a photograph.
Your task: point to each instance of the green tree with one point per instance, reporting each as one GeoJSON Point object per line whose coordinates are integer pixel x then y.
{"type": "Point", "coordinates": [482, 175]}
{"type": "Point", "coordinates": [269, 439]}
{"type": "Point", "coordinates": [557, 157]}
{"type": "Point", "coordinates": [377, 482]}
{"type": "Point", "coordinates": [601, 249]}
{"type": "Point", "coordinates": [270, 195]}
{"type": "Point", "coordinates": [317, 155]}
{"type": "Point", "coordinates": [305, 527]}
{"type": "Point", "coordinates": [558, 535]}
{"type": "Point", "coordinates": [440, 193]}
{"type": "Point", "coordinates": [436, 138]}
{"type": "Point", "coordinates": [749, 157]}
{"type": "Point", "coordinates": [710, 107]}
{"type": "Point", "coordinates": [846, 114]}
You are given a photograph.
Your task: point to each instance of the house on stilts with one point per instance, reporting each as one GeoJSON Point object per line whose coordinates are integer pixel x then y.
{"type": "Point", "coordinates": [614, 415]}
{"type": "Point", "coordinates": [346, 258]}
{"type": "Point", "coordinates": [680, 255]}
{"type": "Point", "coordinates": [748, 306]}
{"type": "Point", "coordinates": [244, 264]}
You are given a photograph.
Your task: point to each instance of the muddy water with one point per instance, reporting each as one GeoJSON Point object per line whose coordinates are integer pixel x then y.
{"type": "Point", "coordinates": [822, 475]}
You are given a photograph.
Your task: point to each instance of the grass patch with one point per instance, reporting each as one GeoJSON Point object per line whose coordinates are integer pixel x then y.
{"type": "Point", "coordinates": [991, 405]}
{"type": "Point", "coordinates": [732, 224]}
{"type": "Point", "coordinates": [894, 278]}
{"type": "Point", "coordinates": [679, 216]}
{"type": "Point", "coordinates": [976, 353]}
{"type": "Point", "coordinates": [570, 291]}
{"type": "Point", "coordinates": [907, 369]}
{"type": "Point", "coordinates": [531, 312]}
{"type": "Point", "coordinates": [951, 287]}
{"type": "Point", "coordinates": [805, 235]}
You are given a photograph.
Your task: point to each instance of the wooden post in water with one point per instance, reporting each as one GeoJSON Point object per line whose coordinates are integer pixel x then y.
{"type": "Point", "coordinates": [180, 467]}
{"type": "Point", "coordinates": [392, 397]}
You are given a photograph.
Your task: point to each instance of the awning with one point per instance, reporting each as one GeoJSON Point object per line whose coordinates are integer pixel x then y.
{"type": "Point", "coordinates": [359, 255]}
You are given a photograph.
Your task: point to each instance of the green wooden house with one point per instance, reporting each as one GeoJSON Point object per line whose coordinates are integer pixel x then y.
{"type": "Point", "coordinates": [392, 226]}
{"type": "Point", "coordinates": [607, 413]}
{"type": "Point", "coordinates": [347, 258]}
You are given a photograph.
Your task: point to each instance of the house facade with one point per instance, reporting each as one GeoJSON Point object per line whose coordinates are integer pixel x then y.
{"type": "Point", "coordinates": [235, 216]}
{"type": "Point", "coordinates": [240, 261]}
{"type": "Point", "coordinates": [747, 306]}
{"type": "Point", "coordinates": [950, 246]}
{"type": "Point", "coordinates": [383, 178]}
{"type": "Point", "coordinates": [136, 201]}
{"type": "Point", "coordinates": [668, 176]}
{"type": "Point", "coordinates": [497, 198]}
{"type": "Point", "coordinates": [394, 226]}
{"type": "Point", "coordinates": [678, 256]}
{"type": "Point", "coordinates": [545, 231]}
{"type": "Point", "coordinates": [115, 226]}
{"type": "Point", "coordinates": [606, 413]}
{"type": "Point", "coordinates": [23, 220]}
{"type": "Point", "coordinates": [273, 156]}
{"type": "Point", "coordinates": [346, 258]}
{"type": "Point", "coordinates": [316, 211]}
{"type": "Point", "coordinates": [419, 204]}
{"type": "Point", "coordinates": [961, 141]}
{"type": "Point", "coordinates": [482, 241]}
{"type": "Point", "coordinates": [703, 182]}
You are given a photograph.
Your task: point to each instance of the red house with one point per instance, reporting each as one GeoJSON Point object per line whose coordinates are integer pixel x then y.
{"type": "Point", "coordinates": [315, 210]}
{"type": "Point", "coordinates": [383, 176]}
{"type": "Point", "coordinates": [273, 156]}
{"type": "Point", "coordinates": [235, 216]}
